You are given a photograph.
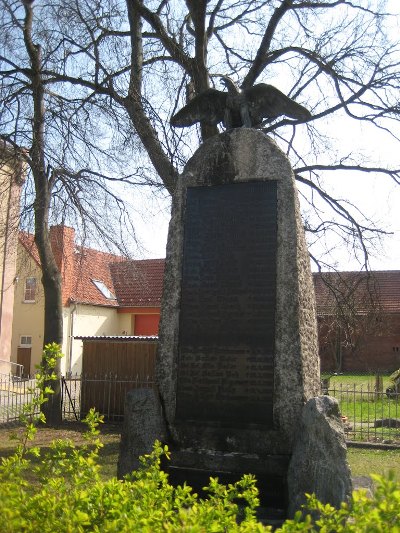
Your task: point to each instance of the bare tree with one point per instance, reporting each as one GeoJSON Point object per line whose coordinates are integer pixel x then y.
{"type": "Point", "coordinates": [97, 80]}
{"type": "Point", "coordinates": [349, 315]}
{"type": "Point", "coordinates": [55, 133]}
{"type": "Point", "coordinates": [339, 58]}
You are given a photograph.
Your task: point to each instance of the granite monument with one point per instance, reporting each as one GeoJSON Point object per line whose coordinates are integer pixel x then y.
{"type": "Point", "coordinates": [238, 358]}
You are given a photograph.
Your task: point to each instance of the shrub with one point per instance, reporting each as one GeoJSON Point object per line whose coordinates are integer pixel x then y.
{"type": "Point", "coordinates": [380, 514]}
{"type": "Point", "coordinates": [69, 496]}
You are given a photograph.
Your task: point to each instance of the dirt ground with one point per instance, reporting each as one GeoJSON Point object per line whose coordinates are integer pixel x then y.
{"type": "Point", "coordinates": [362, 461]}
{"type": "Point", "coordinates": [45, 435]}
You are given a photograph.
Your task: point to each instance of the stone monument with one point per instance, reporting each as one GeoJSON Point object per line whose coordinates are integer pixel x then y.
{"type": "Point", "coordinates": [238, 357]}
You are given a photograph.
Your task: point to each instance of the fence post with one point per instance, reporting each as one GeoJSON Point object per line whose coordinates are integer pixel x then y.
{"type": "Point", "coordinates": [325, 385]}
{"type": "Point", "coordinates": [378, 383]}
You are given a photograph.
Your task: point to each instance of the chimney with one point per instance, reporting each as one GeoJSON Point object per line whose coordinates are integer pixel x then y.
{"type": "Point", "coordinates": [62, 239]}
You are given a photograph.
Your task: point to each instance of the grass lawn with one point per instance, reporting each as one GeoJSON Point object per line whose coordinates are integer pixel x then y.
{"type": "Point", "coordinates": [365, 407]}
{"type": "Point", "coordinates": [110, 437]}
{"type": "Point", "coordinates": [361, 402]}
{"type": "Point", "coordinates": [366, 461]}
{"type": "Point", "coordinates": [357, 380]}
{"type": "Point", "coordinates": [362, 461]}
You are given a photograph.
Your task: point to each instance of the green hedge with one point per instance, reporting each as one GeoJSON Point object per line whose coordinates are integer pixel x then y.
{"type": "Point", "coordinates": [69, 496]}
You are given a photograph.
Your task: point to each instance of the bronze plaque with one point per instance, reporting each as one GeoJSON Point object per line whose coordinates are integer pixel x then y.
{"type": "Point", "coordinates": [227, 314]}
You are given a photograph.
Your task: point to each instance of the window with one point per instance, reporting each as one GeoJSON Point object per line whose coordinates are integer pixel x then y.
{"type": "Point", "coordinates": [103, 289]}
{"type": "Point", "coordinates": [25, 341]}
{"type": "Point", "coordinates": [30, 290]}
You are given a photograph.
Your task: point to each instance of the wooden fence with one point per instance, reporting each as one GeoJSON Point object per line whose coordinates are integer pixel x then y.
{"type": "Point", "coordinates": [118, 357]}
{"type": "Point", "coordinates": [110, 369]}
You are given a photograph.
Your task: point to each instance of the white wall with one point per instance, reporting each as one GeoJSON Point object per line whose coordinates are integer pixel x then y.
{"type": "Point", "coordinates": [81, 320]}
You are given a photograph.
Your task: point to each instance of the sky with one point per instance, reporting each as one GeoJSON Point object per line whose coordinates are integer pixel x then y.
{"type": "Point", "coordinates": [378, 197]}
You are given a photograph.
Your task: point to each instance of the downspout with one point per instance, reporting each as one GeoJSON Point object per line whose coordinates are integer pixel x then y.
{"type": "Point", "coordinates": [71, 339]}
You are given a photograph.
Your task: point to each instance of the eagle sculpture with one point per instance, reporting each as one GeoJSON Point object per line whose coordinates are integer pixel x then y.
{"type": "Point", "coordinates": [236, 108]}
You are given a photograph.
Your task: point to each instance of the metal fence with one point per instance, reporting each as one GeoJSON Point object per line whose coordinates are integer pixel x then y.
{"type": "Point", "coordinates": [369, 414]}
{"type": "Point", "coordinates": [9, 368]}
{"type": "Point", "coordinates": [79, 393]}
{"type": "Point", "coordinates": [15, 393]}
{"type": "Point", "coordinates": [105, 393]}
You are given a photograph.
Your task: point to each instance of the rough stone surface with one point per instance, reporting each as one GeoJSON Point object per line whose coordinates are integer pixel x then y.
{"type": "Point", "coordinates": [244, 155]}
{"type": "Point", "coordinates": [319, 463]}
{"type": "Point", "coordinates": [364, 483]}
{"type": "Point", "coordinates": [143, 424]}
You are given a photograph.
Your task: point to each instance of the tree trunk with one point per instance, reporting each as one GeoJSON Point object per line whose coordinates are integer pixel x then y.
{"type": "Point", "coordinates": [51, 277]}
{"type": "Point", "coordinates": [53, 320]}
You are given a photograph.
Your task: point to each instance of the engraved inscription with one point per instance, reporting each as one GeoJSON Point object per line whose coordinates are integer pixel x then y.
{"type": "Point", "coordinates": [227, 316]}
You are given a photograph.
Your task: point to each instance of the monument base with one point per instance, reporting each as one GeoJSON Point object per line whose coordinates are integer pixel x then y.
{"type": "Point", "coordinates": [318, 464]}
{"type": "Point", "coordinates": [143, 425]}
{"type": "Point", "coordinates": [196, 468]}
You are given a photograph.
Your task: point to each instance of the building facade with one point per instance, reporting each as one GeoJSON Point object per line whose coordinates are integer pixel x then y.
{"type": "Point", "coordinates": [107, 295]}
{"type": "Point", "coordinates": [358, 321]}
{"type": "Point", "coordinates": [102, 294]}
{"type": "Point", "coordinates": [12, 173]}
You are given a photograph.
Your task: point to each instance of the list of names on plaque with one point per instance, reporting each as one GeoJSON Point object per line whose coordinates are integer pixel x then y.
{"type": "Point", "coordinates": [227, 315]}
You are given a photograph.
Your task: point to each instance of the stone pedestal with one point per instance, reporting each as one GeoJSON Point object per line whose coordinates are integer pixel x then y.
{"type": "Point", "coordinates": [238, 352]}
{"type": "Point", "coordinates": [238, 355]}
{"type": "Point", "coordinates": [143, 425]}
{"type": "Point", "coordinates": [318, 464]}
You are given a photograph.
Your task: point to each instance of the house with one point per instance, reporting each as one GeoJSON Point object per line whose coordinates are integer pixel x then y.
{"type": "Point", "coordinates": [107, 295]}
{"type": "Point", "coordinates": [102, 294]}
{"type": "Point", "coordinates": [358, 320]}
{"type": "Point", "coordinates": [138, 288]}
{"type": "Point", "coordinates": [12, 175]}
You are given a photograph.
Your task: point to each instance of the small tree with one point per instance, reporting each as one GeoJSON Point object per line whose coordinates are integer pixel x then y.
{"type": "Point", "coordinates": [349, 314]}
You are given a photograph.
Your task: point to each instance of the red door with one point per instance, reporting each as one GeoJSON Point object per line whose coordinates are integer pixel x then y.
{"type": "Point", "coordinates": [146, 324]}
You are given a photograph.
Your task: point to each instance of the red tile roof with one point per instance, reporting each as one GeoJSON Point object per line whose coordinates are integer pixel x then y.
{"type": "Point", "coordinates": [135, 283]}
{"type": "Point", "coordinates": [92, 265]}
{"type": "Point", "coordinates": [27, 241]}
{"type": "Point", "coordinates": [138, 283]}
{"type": "Point", "coordinates": [118, 338]}
{"type": "Point", "coordinates": [380, 288]}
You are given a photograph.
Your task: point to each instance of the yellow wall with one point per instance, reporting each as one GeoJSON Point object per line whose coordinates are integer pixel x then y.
{"type": "Point", "coordinates": [78, 320]}
{"type": "Point", "coordinates": [124, 321]}
{"type": "Point", "coordinates": [28, 317]}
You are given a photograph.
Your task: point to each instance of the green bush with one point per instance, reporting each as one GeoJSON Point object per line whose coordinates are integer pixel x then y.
{"type": "Point", "coordinates": [69, 496]}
